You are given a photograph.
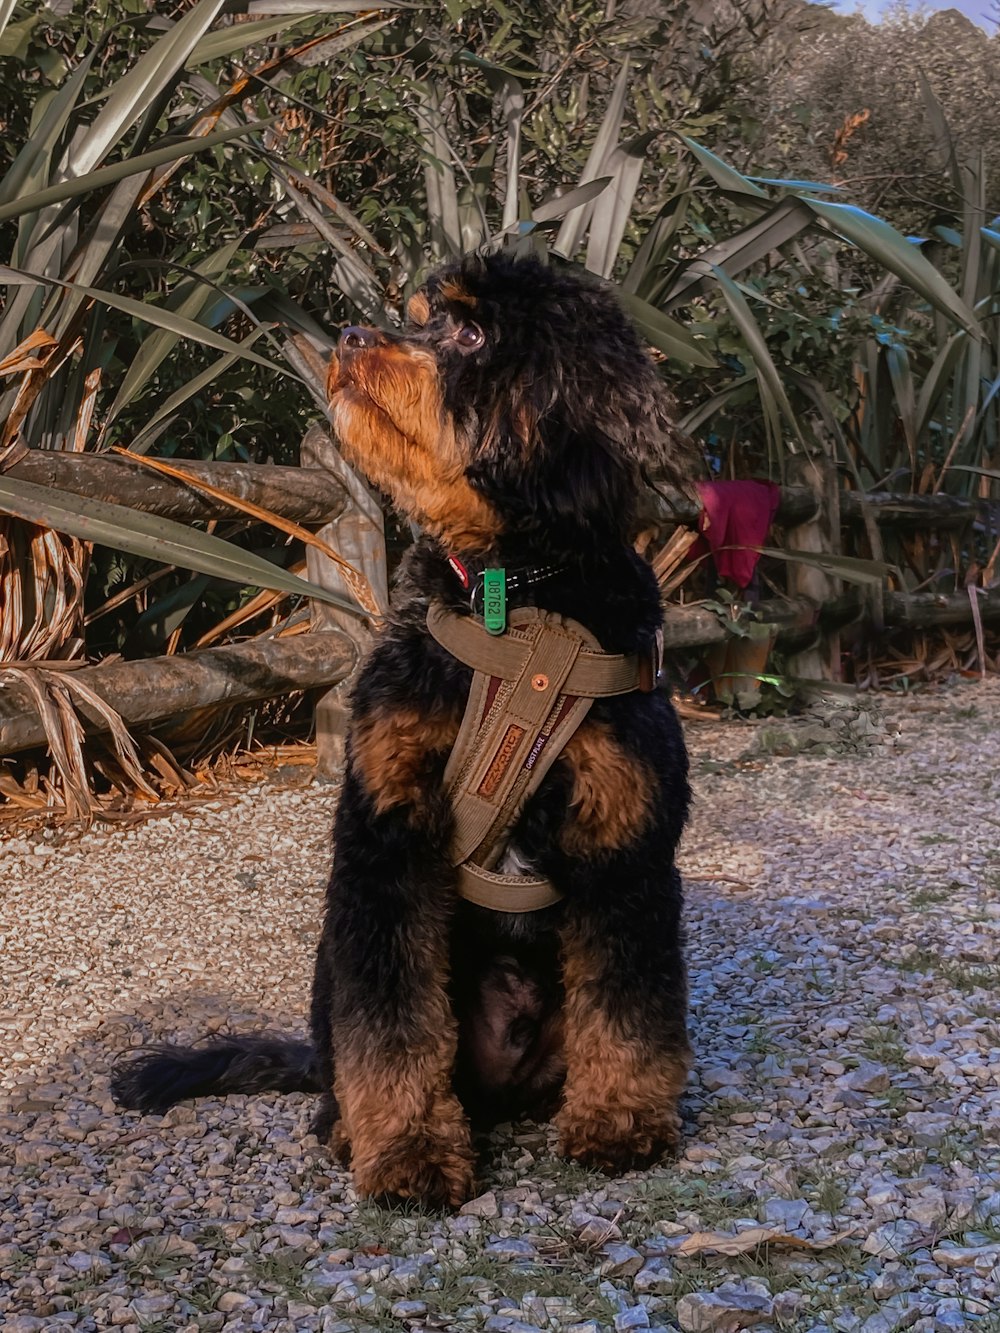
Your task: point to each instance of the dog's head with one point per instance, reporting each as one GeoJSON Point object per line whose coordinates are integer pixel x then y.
{"type": "Point", "coordinates": [517, 400]}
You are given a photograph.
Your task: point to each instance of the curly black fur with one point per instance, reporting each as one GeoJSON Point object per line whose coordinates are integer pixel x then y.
{"type": "Point", "coordinates": [554, 408]}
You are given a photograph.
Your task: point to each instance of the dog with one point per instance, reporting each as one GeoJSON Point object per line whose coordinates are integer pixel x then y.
{"type": "Point", "coordinates": [513, 419]}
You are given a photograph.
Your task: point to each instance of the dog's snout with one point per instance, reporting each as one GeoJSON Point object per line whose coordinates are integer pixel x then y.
{"type": "Point", "coordinates": [355, 337]}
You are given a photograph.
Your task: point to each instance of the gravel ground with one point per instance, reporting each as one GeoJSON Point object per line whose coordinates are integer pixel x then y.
{"type": "Point", "coordinates": [842, 1160]}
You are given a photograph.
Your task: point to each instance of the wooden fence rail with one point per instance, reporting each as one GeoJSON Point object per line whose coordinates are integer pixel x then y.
{"type": "Point", "coordinates": [325, 493]}
{"type": "Point", "coordinates": [156, 688]}
{"type": "Point", "coordinates": [305, 495]}
{"type": "Point", "coordinates": [312, 494]}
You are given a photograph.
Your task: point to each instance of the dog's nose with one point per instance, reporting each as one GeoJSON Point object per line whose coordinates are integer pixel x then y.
{"type": "Point", "coordinates": [354, 338]}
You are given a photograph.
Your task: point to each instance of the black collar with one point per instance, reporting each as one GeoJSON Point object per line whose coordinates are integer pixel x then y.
{"type": "Point", "coordinates": [517, 580]}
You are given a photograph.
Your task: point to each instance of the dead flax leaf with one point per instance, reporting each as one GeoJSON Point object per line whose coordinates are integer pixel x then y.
{"type": "Point", "coordinates": [743, 1242]}
{"type": "Point", "coordinates": [977, 620]}
{"type": "Point", "coordinates": [20, 359]}
{"type": "Point", "coordinates": [263, 601]}
{"type": "Point", "coordinates": [18, 795]}
{"type": "Point", "coordinates": [63, 744]}
{"type": "Point", "coordinates": [85, 415]}
{"type": "Point", "coordinates": [124, 746]}
{"type": "Point", "coordinates": [355, 580]}
{"type": "Point", "coordinates": [32, 384]}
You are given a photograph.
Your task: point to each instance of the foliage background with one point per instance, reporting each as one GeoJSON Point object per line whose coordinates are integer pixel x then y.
{"type": "Point", "coordinates": [339, 202]}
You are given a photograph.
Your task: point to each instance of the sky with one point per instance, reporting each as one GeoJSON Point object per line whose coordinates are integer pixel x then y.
{"type": "Point", "coordinates": [977, 10]}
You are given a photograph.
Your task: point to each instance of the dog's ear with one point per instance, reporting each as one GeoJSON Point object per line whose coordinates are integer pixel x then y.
{"type": "Point", "coordinates": [626, 405]}
{"type": "Point", "coordinates": [511, 426]}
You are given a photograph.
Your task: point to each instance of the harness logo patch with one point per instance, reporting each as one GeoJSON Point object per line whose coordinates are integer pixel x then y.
{"type": "Point", "coordinates": [501, 761]}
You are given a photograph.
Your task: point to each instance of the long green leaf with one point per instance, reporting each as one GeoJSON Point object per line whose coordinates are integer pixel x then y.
{"type": "Point", "coordinates": [788, 219]}
{"type": "Point", "coordinates": [721, 172]}
{"type": "Point", "coordinates": [513, 111]}
{"type": "Point", "coordinates": [645, 276]}
{"type": "Point", "coordinates": [665, 333]}
{"type": "Point", "coordinates": [851, 568]}
{"type": "Point", "coordinates": [936, 380]}
{"type": "Point", "coordinates": [979, 471]}
{"type": "Point", "coordinates": [880, 241]}
{"type": "Point", "coordinates": [559, 205]}
{"type": "Point", "coordinates": [105, 233]}
{"type": "Point", "coordinates": [149, 314]}
{"type": "Point", "coordinates": [188, 302]}
{"type": "Point", "coordinates": [319, 6]}
{"type": "Point", "coordinates": [944, 145]}
{"type": "Point", "coordinates": [571, 232]}
{"type": "Point", "coordinates": [715, 403]}
{"type": "Point", "coordinates": [140, 87]}
{"type": "Point", "coordinates": [439, 177]}
{"type": "Point", "coordinates": [614, 207]}
{"type": "Point", "coordinates": [898, 362]}
{"type": "Point", "coordinates": [32, 162]}
{"type": "Point", "coordinates": [809, 187]}
{"type": "Point", "coordinates": [357, 279]}
{"type": "Point", "coordinates": [238, 36]}
{"type": "Point", "coordinates": [131, 166]}
{"type": "Point", "coordinates": [756, 346]}
{"type": "Point", "coordinates": [153, 538]}
{"type": "Point", "coordinates": [146, 437]}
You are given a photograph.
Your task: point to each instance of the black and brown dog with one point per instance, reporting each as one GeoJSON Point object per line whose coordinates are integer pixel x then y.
{"type": "Point", "coordinates": [513, 420]}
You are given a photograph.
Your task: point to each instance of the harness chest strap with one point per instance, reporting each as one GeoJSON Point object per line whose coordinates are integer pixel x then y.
{"type": "Point", "coordinates": [530, 691]}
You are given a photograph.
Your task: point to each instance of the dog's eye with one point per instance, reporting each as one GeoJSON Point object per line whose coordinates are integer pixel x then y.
{"type": "Point", "coordinates": [469, 337]}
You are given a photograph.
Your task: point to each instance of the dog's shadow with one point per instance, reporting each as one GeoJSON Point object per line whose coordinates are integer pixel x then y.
{"type": "Point", "coordinates": [60, 1114]}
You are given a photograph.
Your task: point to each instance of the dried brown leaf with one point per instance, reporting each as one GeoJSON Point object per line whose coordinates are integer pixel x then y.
{"type": "Point", "coordinates": [744, 1242]}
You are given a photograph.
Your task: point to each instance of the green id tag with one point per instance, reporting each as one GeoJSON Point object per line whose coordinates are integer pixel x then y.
{"type": "Point", "coordinates": [495, 600]}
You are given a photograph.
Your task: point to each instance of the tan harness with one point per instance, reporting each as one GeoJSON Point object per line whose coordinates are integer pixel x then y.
{"type": "Point", "coordinates": [531, 689]}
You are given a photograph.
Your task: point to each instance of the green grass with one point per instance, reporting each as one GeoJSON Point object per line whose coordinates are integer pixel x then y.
{"type": "Point", "coordinates": [284, 1269]}
{"type": "Point", "coordinates": [155, 1262]}
{"type": "Point", "coordinates": [485, 1278]}
{"type": "Point", "coordinates": [662, 1197]}
{"type": "Point", "coordinates": [824, 1189]}
{"type": "Point", "coordinates": [383, 1226]}
{"type": "Point", "coordinates": [761, 1043]}
{"type": "Point", "coordinates": [929, 897]}
{"type": "Point", "coordinates": [203, 1296]}
{"type": "Point", "coordinates": [965, 977]}
{"type": "Point", "coordinates": [883, 1043]}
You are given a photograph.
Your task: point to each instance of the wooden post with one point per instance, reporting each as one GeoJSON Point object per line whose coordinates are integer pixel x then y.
{"type": "Point", "coordinates": [357, 533]}
{"type": "Point", "coordinates": [820, 535]}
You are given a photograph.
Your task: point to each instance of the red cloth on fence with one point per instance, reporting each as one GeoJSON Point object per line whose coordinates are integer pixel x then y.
{"type": "Point", "coordinates": [735, 515]}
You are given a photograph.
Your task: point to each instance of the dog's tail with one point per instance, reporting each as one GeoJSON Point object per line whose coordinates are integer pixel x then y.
{"type": "Point", "coordinates": [161, 1075]}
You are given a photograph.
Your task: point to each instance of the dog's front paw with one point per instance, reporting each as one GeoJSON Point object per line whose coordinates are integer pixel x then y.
{"type": "Point", "coordinates": [618, 1142]}
{"type": "Point", "coordinates": [438, 1173]}
{"type": "Point", "coordinates": [338, 1143]}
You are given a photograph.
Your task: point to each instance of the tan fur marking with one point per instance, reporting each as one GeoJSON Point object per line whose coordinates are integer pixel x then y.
{"type": "Point", "coordinates": [455, 292]}
{"type": "Point", "coordinates": [620, 1099]}
{"type": "Point", "coordinates": [387, 412]}
{"type": "Point", "coordinates": [612, 792]}
{"type": "Point", "coordinates": [390, 751]}
{"type": "Point", "coordinates": [418, 308]}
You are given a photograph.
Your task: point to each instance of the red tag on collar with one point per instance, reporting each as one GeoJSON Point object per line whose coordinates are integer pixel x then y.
{"type": "Point", "coordinates": [460, 572]}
